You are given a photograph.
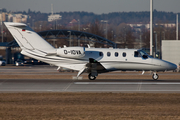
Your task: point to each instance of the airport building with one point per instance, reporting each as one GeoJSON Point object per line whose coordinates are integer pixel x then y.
{"type": "Point", "coordinates": [9, 17]}
{"type": "Point", "coordinates": [147, 26]}
{"type": "Point", "coordinates": [54, 17]}
{"type": "Point", "coordinates": [171, 51]}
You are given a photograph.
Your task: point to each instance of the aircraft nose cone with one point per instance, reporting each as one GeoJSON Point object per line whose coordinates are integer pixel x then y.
{"type": "Point", "coordinates": [170, 66]}
{"type": "Point", "coordinates": [173, 66]}
{"type": "Point", "coordinates": [163, 65]}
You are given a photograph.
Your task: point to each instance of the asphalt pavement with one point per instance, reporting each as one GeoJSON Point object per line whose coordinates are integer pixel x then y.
{"type": "Point", "coordinates": [84, 85]}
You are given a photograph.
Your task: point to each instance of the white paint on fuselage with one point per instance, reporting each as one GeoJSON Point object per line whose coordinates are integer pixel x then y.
{"type": "Point", "coordinates": [130, 62]}
{"type": "Point", "coordinates": [34, 46]}
{"type": "Point", "coordinates": [111, 63]}
{"type": "Point", "coordinates": [120, 62]}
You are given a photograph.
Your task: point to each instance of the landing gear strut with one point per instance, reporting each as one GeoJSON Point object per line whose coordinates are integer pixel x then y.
{"type": "Point", "coordinates": [155, 76]}
{"type": "Point", "coordinates": [91, 77]}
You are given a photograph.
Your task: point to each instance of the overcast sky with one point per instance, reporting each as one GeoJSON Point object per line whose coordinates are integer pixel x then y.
{"type": "Point", "coordinates": [95, 6]}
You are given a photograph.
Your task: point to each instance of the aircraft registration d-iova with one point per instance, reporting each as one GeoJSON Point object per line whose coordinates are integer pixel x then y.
{"type": "Point", "coordinates": [90, 60]}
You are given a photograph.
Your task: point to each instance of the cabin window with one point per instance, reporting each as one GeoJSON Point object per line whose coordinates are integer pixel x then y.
{"type": "Point", "coordinates": [100, 53]}
{"type": "Point", "coordinates": [108, 54]}
{"type": "Point", "coordinates": [124, 54]}
{"type": "Point", "coordinates": [116, 54]}
{"type": "Point", "coordinates": [136, 54]}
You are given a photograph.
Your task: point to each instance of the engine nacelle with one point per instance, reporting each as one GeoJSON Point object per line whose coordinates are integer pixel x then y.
{"type": "Point", "coordinates": [71, 52]}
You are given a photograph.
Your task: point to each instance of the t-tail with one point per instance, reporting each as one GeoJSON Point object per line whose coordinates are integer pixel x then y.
{"type": "Point", "coordinates": [27, 38]}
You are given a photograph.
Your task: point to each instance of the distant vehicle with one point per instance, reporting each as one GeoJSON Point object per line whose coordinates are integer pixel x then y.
{"type": "Point", "coordinates": [34, 62]}
{"type": "Point", "coordinates": [19, 63]}
{"type": "Point", "coordinates": [2, 62]}
{"type": "Point", "coordinates": [91, 60]}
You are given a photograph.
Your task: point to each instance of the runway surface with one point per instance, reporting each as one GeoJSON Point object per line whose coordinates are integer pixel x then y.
{"type": "Point", "coordinates": [54, 85]}
{"type": "Point", "coordinates": [56, 82]}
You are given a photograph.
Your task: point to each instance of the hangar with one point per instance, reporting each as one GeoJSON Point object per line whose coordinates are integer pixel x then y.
{"type": "Point", "coordinates": [171, 51]}
{"type": "Point", "coordinates": [73, 35]}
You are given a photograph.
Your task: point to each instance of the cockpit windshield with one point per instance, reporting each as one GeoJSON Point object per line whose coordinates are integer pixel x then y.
{"type": "Point", "coordinates": [141, 53]}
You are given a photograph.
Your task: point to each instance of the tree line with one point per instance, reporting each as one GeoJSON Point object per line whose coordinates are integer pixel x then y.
{"type": "Point", "coordinates": [117, 29]}
{"type": "Point", "coordinates": [115, 18]}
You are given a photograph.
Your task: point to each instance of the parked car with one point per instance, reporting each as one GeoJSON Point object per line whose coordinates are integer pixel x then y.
{"type": "Point", "coordinates": [19, 63]}
{"type": "Point", "coordinates": [2, 62]}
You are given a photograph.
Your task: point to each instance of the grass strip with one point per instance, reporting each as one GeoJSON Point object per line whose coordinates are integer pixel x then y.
{"type": "Point", "coordinates": [89, 106]}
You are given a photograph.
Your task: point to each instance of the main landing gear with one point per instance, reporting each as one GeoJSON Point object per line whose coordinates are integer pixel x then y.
{"type": "Point", "coordinates": [155, 76]}
{"type": "Point", "coordinates": [91, 77]}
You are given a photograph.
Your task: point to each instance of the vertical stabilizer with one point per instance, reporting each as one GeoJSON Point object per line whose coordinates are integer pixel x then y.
{"type": "Point", "coordinates": [27, 38]}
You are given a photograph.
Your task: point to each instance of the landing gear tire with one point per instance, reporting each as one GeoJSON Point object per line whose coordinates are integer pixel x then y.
{"type": "Point", "coordinates": [91, 77]}
{"type": "Point", "coordinates": [155, 76]}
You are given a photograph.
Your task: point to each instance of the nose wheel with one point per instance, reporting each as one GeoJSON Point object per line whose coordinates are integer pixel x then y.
{"type": "Point", "coordinates": [91, 77]}
{"type": "Point", "coordinates": [155, 76]}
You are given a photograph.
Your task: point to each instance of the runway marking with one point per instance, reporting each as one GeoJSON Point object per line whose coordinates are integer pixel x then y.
{"type": "Point", "coordinates": [2, 82]}
{"type": "Point", "coordinates": [50, 90]}
{"type": "Point", "coordinates": [127, 83]}
{"type": "Point", "coordinates": [89, 91]}
{"type": "Point", "coordinates": [68, 86]}
{"type": "Point", "coordinates": [139, 86]}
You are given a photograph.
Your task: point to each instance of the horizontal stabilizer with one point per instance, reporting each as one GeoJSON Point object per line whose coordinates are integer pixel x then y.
{"type": "Point", "coordinates": [15, 24]}
{"type": "Point", "coordinates": [51, 52]}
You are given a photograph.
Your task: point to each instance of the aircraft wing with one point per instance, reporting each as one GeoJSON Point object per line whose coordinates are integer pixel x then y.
{"type": "Point", "coordinates": [94, 67]}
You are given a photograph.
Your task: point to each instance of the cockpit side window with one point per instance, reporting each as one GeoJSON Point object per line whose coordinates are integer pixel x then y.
{"type": "Point", "coordinates": [136, 54]}
{"type": "Point", "coordinates": [140, 53]}
{"type": "Point", "coordinates": [100, 53]}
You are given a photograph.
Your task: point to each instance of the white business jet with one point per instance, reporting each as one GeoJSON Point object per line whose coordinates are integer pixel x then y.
{"type": "Point", "coordinates": [91, 60]}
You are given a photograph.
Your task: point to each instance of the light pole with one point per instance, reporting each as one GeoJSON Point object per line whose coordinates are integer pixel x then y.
{"type": "Point", "coordinates": [164, 35]}
{"type": "Point", "coordinates": [112, 35]}
{"type": "Point", "coordinates": [1, 25]}
{"type": "Point", "coordinates": [33, 24]}
{"type": "Point", "coordinates": [40, 27]}
{"type": "Point", "coordinates": [151, 27]}
{"type": "Point", "coordinates": [105, 21]}
{"type": "Point", "coordinates": [177, 26]}
{"type": "Point", "coordinates": [79, 25]}
{"type": "Point", "coordinates": [140, 37]}
{"type": "Point", "coordinates": [69, 38]}
{"type": "Point", "coordinates": [29, 24]}
{"type": "Point", "coordinates": [155, 52]}
{"type": "Point", "coordinates": [78, 30]}
{"type": "Point", "coordinates": [125, 45]}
